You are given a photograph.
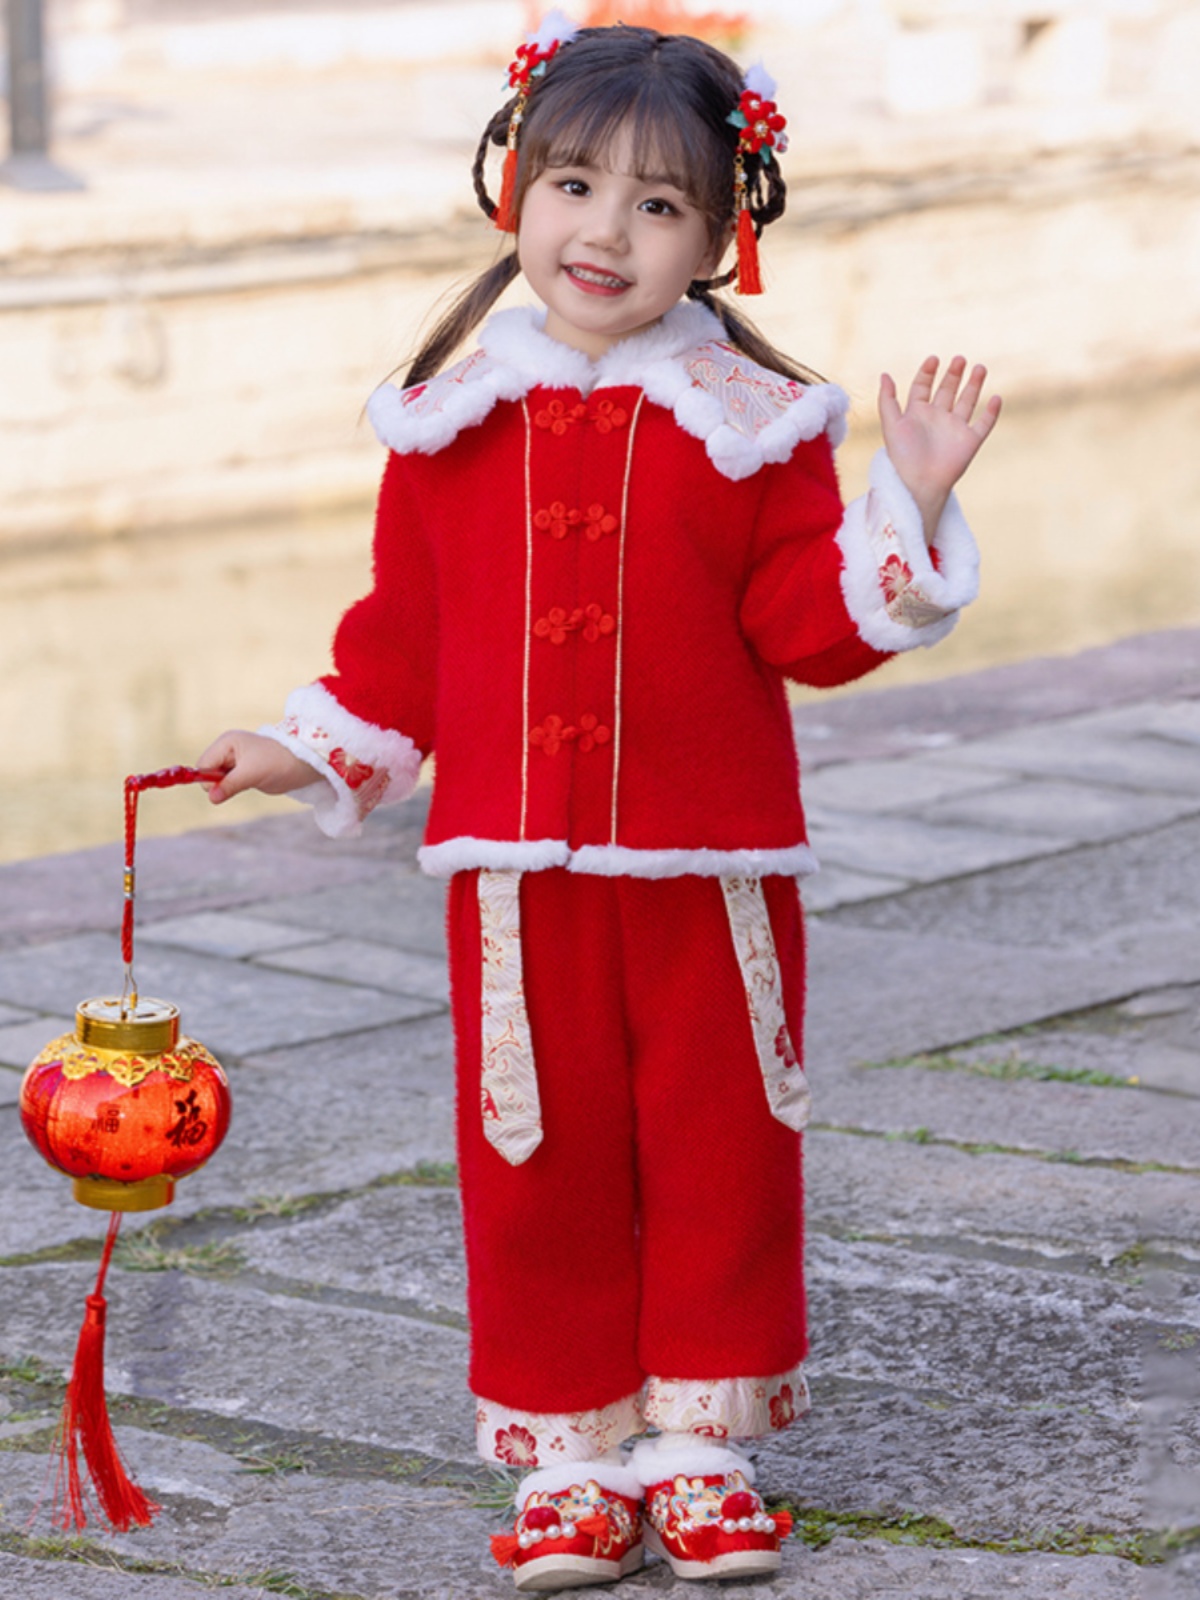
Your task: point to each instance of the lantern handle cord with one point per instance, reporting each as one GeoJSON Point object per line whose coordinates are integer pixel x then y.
{"type": "Point", "coordinates": [168, 778]}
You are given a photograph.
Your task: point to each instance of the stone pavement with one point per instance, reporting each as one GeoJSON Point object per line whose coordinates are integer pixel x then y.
{"type": "Point", "coordinates": [1004, 1181]}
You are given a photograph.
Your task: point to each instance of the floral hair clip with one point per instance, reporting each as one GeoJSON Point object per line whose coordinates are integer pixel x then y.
{"type": "Point", "coordinates": [760, 130]}
{"type": "Point", "coordinates": [531, 60]}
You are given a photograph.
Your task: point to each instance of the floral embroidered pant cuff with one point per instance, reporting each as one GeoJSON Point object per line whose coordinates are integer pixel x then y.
{"type": "Point", "coordinates": [642, 1266]}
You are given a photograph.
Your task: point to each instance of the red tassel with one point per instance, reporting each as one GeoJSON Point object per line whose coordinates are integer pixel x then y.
{"type": "Point", "coordinates": [595, 1527]}
{"type": "Point", "coordinates": [85, 1422]}
{"type": "Point", "coordinates": [749, 276]}
{"type": "Point", "coordinates": [505, 1547]}
{"type": "Point", "coordinates": [783, 1523]}
{"type": "Point", "coordinates": [506, 216]}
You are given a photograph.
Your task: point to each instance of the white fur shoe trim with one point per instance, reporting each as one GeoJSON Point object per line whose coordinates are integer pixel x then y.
{"type": "Point", "coordinates": [652, 1465]}
{"type": "Point", "coordinates": [556, 1479]}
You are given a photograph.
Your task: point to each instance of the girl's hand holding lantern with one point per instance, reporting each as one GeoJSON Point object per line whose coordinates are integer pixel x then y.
{"type": "Point", "coordinates": [933, 440]}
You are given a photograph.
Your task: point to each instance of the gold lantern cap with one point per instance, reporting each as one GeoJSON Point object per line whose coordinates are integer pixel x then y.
{"type": "Point", "coordinates": [147, 1027]}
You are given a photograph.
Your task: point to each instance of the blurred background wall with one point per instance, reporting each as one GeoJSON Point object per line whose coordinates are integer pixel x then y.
{"type": "Point", "coordinates": [277, 192]}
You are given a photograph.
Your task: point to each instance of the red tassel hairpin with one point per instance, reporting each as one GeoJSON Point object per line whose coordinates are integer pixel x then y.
{"type": "Point", "coordinates": [531, 60]}
{"type": "Point", "coordinates": [760, 130]}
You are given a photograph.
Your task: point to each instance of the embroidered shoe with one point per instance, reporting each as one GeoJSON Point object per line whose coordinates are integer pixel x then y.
{"type": "Point", "coordinates": [577, 1525]}
{"type": "Point", "coordinates": [703, 1515]}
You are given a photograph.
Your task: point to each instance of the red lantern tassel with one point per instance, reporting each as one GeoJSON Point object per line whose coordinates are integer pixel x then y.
{"type": "Point", "coordinates": [749, 275]}
{"type": "Point", "coordinates": [85, 1422]}
{"type": "Point", "coordinates": [506, 216]}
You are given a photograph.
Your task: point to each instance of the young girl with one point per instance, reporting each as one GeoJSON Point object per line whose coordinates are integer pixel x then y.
{"type": "Point", "coordinates": [604, 541]}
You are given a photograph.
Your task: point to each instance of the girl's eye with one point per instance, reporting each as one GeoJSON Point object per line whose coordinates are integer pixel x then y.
{"type": "Point", "coordinates": [659, 208]}
{"type": "Point", "coordinates": [574, 186]}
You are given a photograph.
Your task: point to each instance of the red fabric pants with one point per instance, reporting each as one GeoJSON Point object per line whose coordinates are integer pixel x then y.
{"type": "Point", "coordinates": [657, 1229]}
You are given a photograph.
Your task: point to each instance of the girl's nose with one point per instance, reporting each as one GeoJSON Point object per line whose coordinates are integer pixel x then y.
{"type": "Point", "coordinates": [605, 227]}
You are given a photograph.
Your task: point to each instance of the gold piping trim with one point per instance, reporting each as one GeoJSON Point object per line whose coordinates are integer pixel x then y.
{"type": "Point", "coordinates": [621, 614]}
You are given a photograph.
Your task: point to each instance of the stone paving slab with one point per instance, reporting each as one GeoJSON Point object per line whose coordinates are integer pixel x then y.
{"type": "Point", "coordinates": [906, 783]}
{"type": "Point", "coordinates": [912, 849]}
{"type": "Point", "coordinates": [876, 1187]}
{"type": "Point", "coordinates": [380, 966]}
{"type": "Point", "coordinates": [1076, 898]}
{"type": "Point", "coordinates": [19, 1043]}
{"type": "Point", "coordinates": [64, 1580]}
{"type": "Point", "coordinates": [1082, 750]}
{"type": "Point", "coordinates": [231, 1007]}
{"type": "Point", "coordinates": [1112, 1124]}
{"type": "Point", "coordinates": [241, 1353]}
{"type": "Point", "coordinates": [54, 895]}
{"type": "Point", "coordinates": [837, 886]}
{"type": "Point", "coordinates": [224, 933]}
{"type": "Point", "coordinates": [951, 985]}
{"type": "Point", "coordinates": [394, 907]}
{"type": "Point", "coordinates": [1079, 812]}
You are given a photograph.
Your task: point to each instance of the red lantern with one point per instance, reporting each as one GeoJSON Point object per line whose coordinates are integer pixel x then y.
{"type": "Point", "coordinates": [124, 1106]}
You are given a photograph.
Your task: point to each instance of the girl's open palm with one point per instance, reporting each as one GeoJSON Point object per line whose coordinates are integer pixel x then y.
{"type": "Point", "coordinates": [933, 439]}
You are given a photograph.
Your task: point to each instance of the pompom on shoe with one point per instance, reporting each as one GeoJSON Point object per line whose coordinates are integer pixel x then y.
{"type": "Point", "coordinates": [703, 1515]}
{"type": "Point", "coordinates": [577, 1524]}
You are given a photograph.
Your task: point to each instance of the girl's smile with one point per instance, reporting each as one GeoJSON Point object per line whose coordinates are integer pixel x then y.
{"type": "Point", "coordinates": [610, 250]}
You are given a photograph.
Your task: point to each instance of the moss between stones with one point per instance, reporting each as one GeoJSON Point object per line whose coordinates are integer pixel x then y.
{"type": "Point", "coordinates": [817, 1528]}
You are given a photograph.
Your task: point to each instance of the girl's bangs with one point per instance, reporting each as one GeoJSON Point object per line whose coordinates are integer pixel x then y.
{"type": "Point", "coordinates": [668, 142]}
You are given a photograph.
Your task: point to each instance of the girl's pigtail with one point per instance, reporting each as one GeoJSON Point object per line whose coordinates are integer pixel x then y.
{"type": "Point", "coordinates": [461, 320]}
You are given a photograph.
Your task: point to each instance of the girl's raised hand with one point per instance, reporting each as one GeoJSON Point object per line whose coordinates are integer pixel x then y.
{"type": "Point", "coordinates": [252, 761]}
{"type": "Point", "coordinates": [933, 440]}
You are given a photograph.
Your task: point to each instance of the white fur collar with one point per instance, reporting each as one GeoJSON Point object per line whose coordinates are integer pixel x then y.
{"type": "Point", "coordinates": [745, 414]}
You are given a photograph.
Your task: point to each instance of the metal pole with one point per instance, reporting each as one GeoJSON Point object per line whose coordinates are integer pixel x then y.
{"type": "Point", "coordinates": [29, 165]}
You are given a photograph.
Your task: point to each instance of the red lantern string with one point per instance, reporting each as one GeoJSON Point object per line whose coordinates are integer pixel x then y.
{"type": "Point", "coordinates": [168, 778]}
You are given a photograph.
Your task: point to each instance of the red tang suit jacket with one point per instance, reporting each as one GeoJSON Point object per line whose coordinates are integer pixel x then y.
{"type": "Point", "coordinates": [591, 581]}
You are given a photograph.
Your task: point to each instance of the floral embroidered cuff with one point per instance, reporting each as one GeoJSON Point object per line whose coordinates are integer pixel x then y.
{"type": "Point", "coordinates": [358, 765]}
{"type": "Point", "coordinates": [899, 592]}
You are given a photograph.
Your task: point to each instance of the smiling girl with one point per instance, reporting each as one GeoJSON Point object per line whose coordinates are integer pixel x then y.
{"type": "Point", "coordinates": [605, 539]}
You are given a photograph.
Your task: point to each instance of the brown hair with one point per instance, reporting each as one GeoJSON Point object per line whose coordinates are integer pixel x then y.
{"type": "Point", "coordinates": [671, 96]}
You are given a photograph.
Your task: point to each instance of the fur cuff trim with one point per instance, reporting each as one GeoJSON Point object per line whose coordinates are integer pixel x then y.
{"type": "Point", "coordinates": [363, 765]}
{"type": "Point", "coordinates": [745, 415]}
{"type": "Point", "coordinates": [651, 1465]}
{"type": "Point", "coordinates": [500, 855]}
{"type": "Point", "coordinates": [553, 1480]}
{"type": "Point", "coordinates": [897, 596]}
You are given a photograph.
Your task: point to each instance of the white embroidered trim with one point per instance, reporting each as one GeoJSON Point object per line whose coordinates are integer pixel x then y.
{"type": "Point", "coordinates": [512, 1114]}
{"type": "Point", "coordinates": [320, 731]}
{"type": "Point", "coordinates": [754, 945]}
{"type": "Point", "coordinates": [745, 414]}
{"type": "Point", "coordinates": [898, 599]}
{"type": "Point", "coordinates": [613, 860]}
{"type": "Point", "coordinates": [726, 1408]}
{"type": "Point", "coordinates": [552, 1440]}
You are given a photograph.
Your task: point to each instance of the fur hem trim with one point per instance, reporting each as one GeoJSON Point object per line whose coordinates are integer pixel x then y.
{"type": "Point", "coordinates": [948, 587]}
{"type": "Point", "coordinates": [673, 362]}
{"type": "Point", "coordinates": [464, 854]}
{"type": "Point", "coordinates": [651, 1465]}
{"type": "Point", "coordinates": [553, 1480]}
{"type": "Point", "coordinates": [618, 861]}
